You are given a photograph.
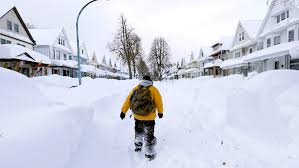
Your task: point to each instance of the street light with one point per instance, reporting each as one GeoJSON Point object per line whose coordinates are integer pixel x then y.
{"type": "Point", "coordinates": [78, 44]}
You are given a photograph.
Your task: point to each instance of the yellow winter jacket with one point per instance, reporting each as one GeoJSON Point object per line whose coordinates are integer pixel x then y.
{"type": "Point", "coordinates": [157, 99]}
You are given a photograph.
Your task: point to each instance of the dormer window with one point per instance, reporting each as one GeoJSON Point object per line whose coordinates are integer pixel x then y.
{"type": "Point", "coordinates": [61, 41]}
{"type": "Point", "coordinates": [16, 28]}
{"type": "Point", "coordinates": [241, 36]}
{"type": "Point", "coordinates": [282, 16]}
{"type": "Point", "coordinates": [9, 25]}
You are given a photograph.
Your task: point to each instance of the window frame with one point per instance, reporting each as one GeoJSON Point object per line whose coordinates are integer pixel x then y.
{"type": "Point", "coordinates": [9, 25]}
{"type": "Point", "coordinates": [57, 54]}
{"type": "Point", "coordinates": [283, 16]}
{"type": "Point", "coordinates": [274, 39]}
{"type": "Point", "coordinates": [16, 28]}
{"type": "Point", "coordinates": [291, 40]}
{"type": "Point", "coordinates": [250, 50]}
{"type": "Point", "coordinates": [269, 44]}
{"type": "Point", "coordinates": [237, 54]}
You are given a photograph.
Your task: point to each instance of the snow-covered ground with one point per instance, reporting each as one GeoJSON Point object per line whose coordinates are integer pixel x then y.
{"type": "Point", "coordinates": [232, 122]}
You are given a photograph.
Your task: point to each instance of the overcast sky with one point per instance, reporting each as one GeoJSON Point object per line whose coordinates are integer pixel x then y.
{"type": "Point", "coordinates": [186, 24]}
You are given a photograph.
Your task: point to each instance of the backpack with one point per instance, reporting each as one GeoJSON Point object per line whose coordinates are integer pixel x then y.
{"type": "Point", "coordinates": [141, 101]}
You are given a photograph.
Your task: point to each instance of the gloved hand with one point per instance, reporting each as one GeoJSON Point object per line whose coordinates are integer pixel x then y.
{"type": "Point", "coordinates": [122, 115]}
{"type": "Point", "coordinates": [160, 115]}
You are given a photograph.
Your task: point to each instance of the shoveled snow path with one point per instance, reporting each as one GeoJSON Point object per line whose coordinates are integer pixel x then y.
{"type": "Point", "coordinates": [190, 135]}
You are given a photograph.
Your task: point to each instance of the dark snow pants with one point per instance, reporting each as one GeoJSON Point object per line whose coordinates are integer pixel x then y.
{"type": "Point", "coordinates": [146, 130]}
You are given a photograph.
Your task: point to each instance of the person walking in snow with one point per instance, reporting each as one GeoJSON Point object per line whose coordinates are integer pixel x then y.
{"type": "Point", "coordinates": [144, 101]}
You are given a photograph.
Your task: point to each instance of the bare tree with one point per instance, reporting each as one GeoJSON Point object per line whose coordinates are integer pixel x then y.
{"type": "Point", "coordinates": [135, 51]}
{"type": "Point", "coordinates": [159, 58]}
{"type": "Point", "coordinates": [142, 68]}
{"type": "Point", "coordinates": [122, 44]}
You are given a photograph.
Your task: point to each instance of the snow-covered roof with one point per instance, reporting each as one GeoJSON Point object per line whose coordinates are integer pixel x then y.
{"type": "Point", "coordinates": [226, 43]}
{"type": "Point", "coordinates": [65, 63]}
{"type": "Point", "coordinates": [89, 69]}
{"type": "Point", "coordinates": [215, 63]}
{"type": "Point", "coordinates": [291, 48]}
{"type": "Point", "coordinates": [45, 36]}
{"type": "Point", "coordinates": [206, 58]}
{"type": "Point", "coordinates": [274, 51]}
{"type": "Point", "coordinates": [251, 27]}
{"type": "Point", "coordinates": [232, 63]}
{"type": "Point", "coordinates": [239, 46]}
{"type": "Point", "coordinates": [13, 51]}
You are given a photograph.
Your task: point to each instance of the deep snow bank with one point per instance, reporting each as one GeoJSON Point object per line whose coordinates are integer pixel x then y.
{"type": "Point", "coordinates": [33, 132]}
{"type": "Point", "coordinates": [18, 92]}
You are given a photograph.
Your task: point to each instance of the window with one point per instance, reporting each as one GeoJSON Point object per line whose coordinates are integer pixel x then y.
{"type": "Point", "coordinates": [278, 18]}
{"type": "Point", "coordinates": [237, 54]}
{"type": "Point", "coordinates": [241, 36]}
{"type": "Point", "coordinates": [70, 57]}
{"type": "Point", "coordinates": [291, 35]}
{"type": "Point", "coordinates": [16, 28]}
{"type": "Point", "coordinates": [260, 45]}
{"type": "Point", "coordinates": [269, 42]}
{"type": "Point", "coordinates": [277, 40]}
{"type": "Point", "coordinates": [59, 41]}
{"type": "Point", "coordinates": [283, 16]}
{"type": "Point", "coordinates": [82, 51]}
{"type": "Point", "coordinates": [9, 25]}
{"type": "Point", "coordinates": [250, 50]}
{"type": "Point", "coordinates": [3, 41]}
{"type": "Point", "coordinates": [288, 14]}
{"type": "Point", "coordinates": [53, 54]}
{"type": "Point", "coordinates": [276, 65]}
{"type": "Point", "coordinates": [64, 57]}
{"type": "Point", "coordinates": [57, 54]}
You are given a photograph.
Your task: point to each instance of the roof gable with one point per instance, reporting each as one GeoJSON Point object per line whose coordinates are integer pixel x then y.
{"type": "Point", "coordinates": [24, 32]}
{"type": "Point", "coordinates": [50, 37]}
{"type": "Point", "coordinates": [250, 28]}
{"type": "Point", "coordinates": [276, 7]}
{"type": "Point", "coordinates": [94, 59]}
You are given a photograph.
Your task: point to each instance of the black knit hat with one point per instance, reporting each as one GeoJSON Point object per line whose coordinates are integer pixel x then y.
{"type": "Point", "coordinates": [146, 77]}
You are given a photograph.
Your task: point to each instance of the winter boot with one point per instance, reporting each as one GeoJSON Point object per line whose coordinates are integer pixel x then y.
{"type": "Point", "coordinates": [150, 156]}
{"type": "Point", "coordinates": [138, 146]}
{"type": "Point", "coordinates": [150, 152]}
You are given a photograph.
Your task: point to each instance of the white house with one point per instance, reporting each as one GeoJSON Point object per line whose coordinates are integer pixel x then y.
{"type": "Point", "coordinates": [220, 52]}
{"type": "Point", "coordinates": [16, 49]}
{"type": "Point", "coordinates": [244, 42]}
{"type": "Point", "coordinates": [84, 56]}
{"type": "Point", "coordinates": [204, 58]}
{"type": "Point", "coordinates": [277, 40]}
{"type": "Point", "coordinates": [55, 44]}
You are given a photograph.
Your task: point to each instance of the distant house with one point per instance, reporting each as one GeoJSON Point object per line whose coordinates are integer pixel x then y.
{"type": "Point", "coordinates": [277, 41]}
{"type": "Point", "coordinates": [84, 57]}
{"type": "Point", "coordinates": [203, 58]}
{"type": "Point", "coordinates": [55, 44]}
{"type": "Point", "coordinates": [220, 52]}
{"type": "Point", "coordinates": [16, 49]}
{"type": "Point", "coordinates": [245, 42]}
